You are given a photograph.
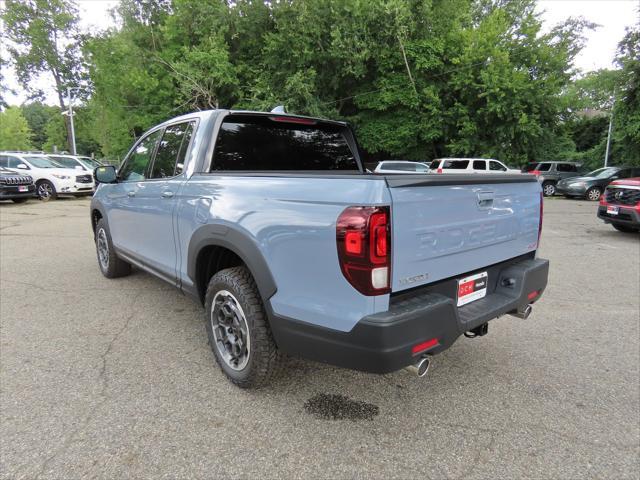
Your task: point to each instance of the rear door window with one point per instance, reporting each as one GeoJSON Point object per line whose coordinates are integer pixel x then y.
{"type": "Point", "coordinates": [479, 164]}
{"type": "Point", "coordinates": [456, 164]}
{"type": "Point", "coordinates": [169, 159]}
{"type": "Point", "coordinates": [261, 143]}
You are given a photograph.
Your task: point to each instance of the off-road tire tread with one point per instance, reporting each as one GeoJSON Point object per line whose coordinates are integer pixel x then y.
{"type": "Point", "coordinates": [265, 361]}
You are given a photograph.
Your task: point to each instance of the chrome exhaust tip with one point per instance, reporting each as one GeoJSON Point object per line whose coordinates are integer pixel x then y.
{"type": "Point", "coordinates": [420, 368]}
{"type": "Point", "coordinates": [524, 313]}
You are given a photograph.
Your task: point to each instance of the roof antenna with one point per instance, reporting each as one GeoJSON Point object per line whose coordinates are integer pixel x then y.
{"type": "Point", "coordinates": [279, 109]}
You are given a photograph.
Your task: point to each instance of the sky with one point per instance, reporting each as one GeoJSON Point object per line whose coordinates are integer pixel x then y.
{"type": "Point", "coordinates": [612, 16]}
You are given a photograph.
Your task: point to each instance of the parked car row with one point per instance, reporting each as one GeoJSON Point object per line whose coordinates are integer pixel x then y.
{"type": "Point", "coordinates": [570, 180]}
{"type": "Point", "coordinates": [445, 165]}
{"type": "Point", "coordinates": [49, 175]}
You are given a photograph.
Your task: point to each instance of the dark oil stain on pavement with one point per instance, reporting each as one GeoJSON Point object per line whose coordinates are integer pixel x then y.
{"type": "Point", "coordinates": [338, 407]}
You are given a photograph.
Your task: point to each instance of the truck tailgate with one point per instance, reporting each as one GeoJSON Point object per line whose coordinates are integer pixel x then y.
{"type": "Point", "coordinates": [443, 226]}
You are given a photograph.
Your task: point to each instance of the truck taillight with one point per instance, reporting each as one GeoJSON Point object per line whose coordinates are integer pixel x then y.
{"type": "Point", "coordinates": [363, 237]}
{"type": "Point", "coordinates": [541, 215]}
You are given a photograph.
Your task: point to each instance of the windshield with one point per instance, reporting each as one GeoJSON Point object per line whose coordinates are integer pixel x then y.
{"type": "Point", "coordinates": [42, 162]}
{"type": "Point", "coordinates": [602, 172]}
{"type": "Point", "coordinates": [90, 162]}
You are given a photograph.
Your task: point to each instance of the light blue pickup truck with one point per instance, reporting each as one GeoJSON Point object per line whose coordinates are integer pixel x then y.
{"type": "Point", "coordinates": [272, 223]}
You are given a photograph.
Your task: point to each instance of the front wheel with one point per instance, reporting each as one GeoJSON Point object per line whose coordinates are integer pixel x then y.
{"type": "Point", "coordinates": [238, 330]}
{"type": "Point", "coordinates": [548, 189]}
{"type": "Point", "coordinates": [110, 264]}
{"type": "Point", "coordinates": [46, 191]}
{"type": "Point", "coordinates": [593, 194]}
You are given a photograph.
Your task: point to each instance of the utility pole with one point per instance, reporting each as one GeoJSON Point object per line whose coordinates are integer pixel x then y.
{"type": "Point", "coordinates": [606, 153]}
{"type": "Point", "coordinates": [73, 133]}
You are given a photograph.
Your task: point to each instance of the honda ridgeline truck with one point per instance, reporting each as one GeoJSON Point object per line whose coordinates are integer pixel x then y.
{"type": "Point", "coordinates": [272, 223]}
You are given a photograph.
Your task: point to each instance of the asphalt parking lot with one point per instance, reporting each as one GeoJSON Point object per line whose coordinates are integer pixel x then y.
{"type": "Point", "coordinates": [114, 378]}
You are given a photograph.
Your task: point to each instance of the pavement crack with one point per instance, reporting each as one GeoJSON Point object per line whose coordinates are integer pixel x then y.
{"type": "Point", "coordinates": [102, 375]}
{"type": "Point", "coordinates": [103, 370]}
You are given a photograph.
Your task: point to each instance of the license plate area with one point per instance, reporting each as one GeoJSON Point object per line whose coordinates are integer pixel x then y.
{"type": "Point", "coordinates": [23, 188]}
{"type": "Point", "coordinates": [613, 210]}
{"type": "Point", "coordinates": [473, 287]}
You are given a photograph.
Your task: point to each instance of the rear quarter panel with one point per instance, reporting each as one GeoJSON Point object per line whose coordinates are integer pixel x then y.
{"type": "Point", "coordinates": [293, 223]}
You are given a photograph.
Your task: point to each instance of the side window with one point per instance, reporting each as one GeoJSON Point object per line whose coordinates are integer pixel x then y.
{"type": "Point", "coordinates": [456, 164]}
{"type": "Point", "coordinates": [169, 160]}
{"type": "Point", "coordinates": [497, 166]}
{"type": "Point", "coordinates": [136, 164]}
{"type": "Point", "coordinates": [15, 161]}
{"type": "Point", "coordinates": [544, 167]}
{"type": "Point", "coordinates": [479, 164]}
{"type": "Point", "coordinates": [566, 167]}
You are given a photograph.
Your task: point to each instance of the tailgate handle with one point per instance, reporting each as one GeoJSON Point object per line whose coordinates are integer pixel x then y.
{"type": "Point", "coordinates": [485, 199]}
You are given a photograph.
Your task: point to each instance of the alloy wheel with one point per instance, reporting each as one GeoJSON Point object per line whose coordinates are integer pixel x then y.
{"type": "Point", "coordinates": [45, 191]}
{"type": "Point", "coordinates": [103, 249]}
{"type": "Point", "coordinates": [230, 330]}
{"type": "Point", "coordinates": [593, 194]}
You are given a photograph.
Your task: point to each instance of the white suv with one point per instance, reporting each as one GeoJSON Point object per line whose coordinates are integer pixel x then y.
{"type": "Point", "coordinates": [470, 165]}
{"type": "Point", "coordinates": [84, 164]}
{"type": "Point", "coordinates": [51, 178]}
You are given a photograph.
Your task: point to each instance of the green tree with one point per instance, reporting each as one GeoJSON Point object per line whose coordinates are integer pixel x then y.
{"type": "Point", "coordinates": [626, 119]}
{"type": "Point", "coordinates": [15, 133]}
{"type": "Point", "coordinates": [42, 37]}
{"type": "Point", "coordinates": [38, 115]}
{"type": "Point", "coordinates": [55, 132]}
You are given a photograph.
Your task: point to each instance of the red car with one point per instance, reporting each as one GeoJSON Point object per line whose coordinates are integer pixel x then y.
{"type": "Point", "coordinates": [620, 205]}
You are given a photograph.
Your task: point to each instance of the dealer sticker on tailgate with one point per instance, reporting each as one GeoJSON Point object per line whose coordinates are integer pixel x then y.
{"type": "Point", "coordinates": [472, 288]}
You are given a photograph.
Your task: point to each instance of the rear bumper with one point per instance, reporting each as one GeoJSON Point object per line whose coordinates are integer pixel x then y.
{"type": "Point", "coordinates": [626, 216]}
{"type": "Point", "coordinates": [382, 342]}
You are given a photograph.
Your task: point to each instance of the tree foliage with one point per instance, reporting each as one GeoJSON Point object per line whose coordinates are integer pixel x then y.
{"type": "Point", "coordinates": [417, 78]}
{"type": "Point", "coordinates": [42, 37]}
{"type": "Point", "coordinates": [15, 133]}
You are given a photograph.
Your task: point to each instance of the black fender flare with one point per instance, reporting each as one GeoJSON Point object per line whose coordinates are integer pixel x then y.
{"type": "Point", "coordinates": [239, 242]}
{"type": "Point", "coordinates": [97, 205]}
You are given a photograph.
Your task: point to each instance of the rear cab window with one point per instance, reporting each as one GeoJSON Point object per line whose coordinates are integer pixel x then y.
{"type": "Point", "coordinates": [247, 143]}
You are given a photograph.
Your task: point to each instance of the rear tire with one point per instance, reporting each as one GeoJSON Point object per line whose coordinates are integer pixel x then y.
{"type": "Point", "coordinates": [593, 194]}
{"type": "Point", "coordinates": [46, 190]}
{"type": "Point", "coordinates": [624, 228]}
{"type": "Point", "coordinates": [239, 333]}
{"type": "Point", "coordinates": [19, 200]}
{"type": "Point", "coordinates": [110, 265]}
{"type": "Point", "coordinates": [549, 189]}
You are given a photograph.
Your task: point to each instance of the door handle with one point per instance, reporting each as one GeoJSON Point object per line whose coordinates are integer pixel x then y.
{"type": "Point", "coordinates": [167, 194]}
{"type": "Point", "coordinates": [131, 193]}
